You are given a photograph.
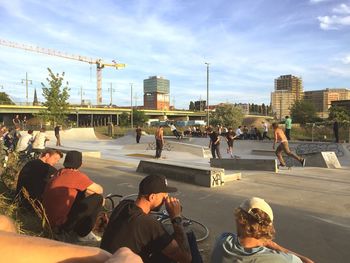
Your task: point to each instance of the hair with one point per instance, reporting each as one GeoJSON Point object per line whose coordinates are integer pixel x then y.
{"type": "Point", "coordinates": [42, 129]}
{"type": "Point", "coordinates": [256, 224]}
{"type": "Point", "coordinates": [51, 152]}
{"type": "Point", "coordinates": [275, 125]}
{"type": "Point", "coordinates": [30, 131]}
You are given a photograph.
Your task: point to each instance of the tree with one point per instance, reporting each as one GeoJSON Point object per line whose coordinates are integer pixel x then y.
{"type": "Point", "coordinates": [227, 115]}
{"type": "Point", "coordinates": [303, 111]}
{"type": "Point", "coordinates": [263, 108]}
{"type": "Point", "coordinates": [191, 107]}
{"type": "Point", "coordinates": [338, 113]}
{"type": "Point", "coordinates": [5, 99]}
{"type": "Point", "coordinates": [139, 117]}
{"type": "Point", "coordinates": [56, 98]}
{"type": "Point", "coordinates": [124, 119]}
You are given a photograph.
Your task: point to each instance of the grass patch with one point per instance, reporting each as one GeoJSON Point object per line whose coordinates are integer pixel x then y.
{"type": "Point", "coordinates": [28, 221]}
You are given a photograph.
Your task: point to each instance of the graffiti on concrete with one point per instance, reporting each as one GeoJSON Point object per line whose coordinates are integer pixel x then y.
{"type": "Point", "coordinates": [217, 179]}
{"type": "Point", "coordinates": [166, 146]}
{"type": "Point", "coordinates": [303, 149]}
{"type": "Point", "coordinates": [307, 148]}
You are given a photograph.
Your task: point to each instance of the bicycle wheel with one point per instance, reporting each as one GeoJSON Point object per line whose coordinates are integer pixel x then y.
{"type": "Point", "coordinates": [111, 201]}
{"type": "Point", "coordinates": [200, 230]}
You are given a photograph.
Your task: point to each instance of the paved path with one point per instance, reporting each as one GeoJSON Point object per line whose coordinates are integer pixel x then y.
{"type": "Point", "coordinates": [311, 205]}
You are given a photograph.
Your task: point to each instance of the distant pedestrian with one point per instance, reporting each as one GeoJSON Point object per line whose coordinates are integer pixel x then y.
{"type": "Point", "coordinates": [25, 142]}
{"type": "Point", "coordinates": [239, 132]}
{"type": "Point", "coordinates": [230, 136]}
{"type": "Point", "coordinates": [24, 123]}
{"type": "Point", "coordinates": [265, 131]}
{"type": "Point", "coordinates": [40, 140]}
{"type": "Point", "coordinates": [214, 143]}
{"type": "Point", "coordinates": [174, 130]}
{"type": "Point", "coordinates": [288, 126]}
{"type": "Point", "coordinates": [159, 136]}
{"type": "Point", "coordinates": [16, 121]}
{"type": "Point", "coordinates": [280, 137]}
{"type": "Point", "coordinates": [336, 130]}
{"type": "Point", "coordinates": [138, 134]}
{"type": "Point", "coordinates": [57, 135]}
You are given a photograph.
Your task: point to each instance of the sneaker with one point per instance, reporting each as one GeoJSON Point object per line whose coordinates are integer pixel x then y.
{"type": "Point", "coordinates": [303, 162]}
{"type": "Point", "coordinates": [89, 237]}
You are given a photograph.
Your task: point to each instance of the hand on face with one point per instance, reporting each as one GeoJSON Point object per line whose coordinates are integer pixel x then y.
{"type": "Point", "coordinates": [173, 207]}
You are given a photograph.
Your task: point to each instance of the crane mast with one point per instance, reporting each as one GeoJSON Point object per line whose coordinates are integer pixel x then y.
{"type": "Point", "coordinates": [51, 52]}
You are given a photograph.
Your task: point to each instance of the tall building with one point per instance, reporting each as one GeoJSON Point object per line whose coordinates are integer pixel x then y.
{"type": "Point", "coordinates": [156, 93]}
{"type": "Point", "coordinates": [288, 89]}
{"type": "Point", "coordinates": [322, 99]}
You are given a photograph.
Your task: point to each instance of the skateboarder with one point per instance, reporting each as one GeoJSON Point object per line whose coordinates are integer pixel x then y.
{"type": "Point", "coordinates": [280, 137]}
{"type": "Point", "coordinates": [230, 136]}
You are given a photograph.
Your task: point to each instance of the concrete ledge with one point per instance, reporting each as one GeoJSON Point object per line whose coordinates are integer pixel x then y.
{"type": "Point", "coordinates": [198, 175]}
{"type": "Point", "coordinates": [245, 164]}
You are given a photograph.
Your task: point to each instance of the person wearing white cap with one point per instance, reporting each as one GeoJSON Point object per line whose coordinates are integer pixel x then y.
{"type": "Point", "coordinates": [253, 241]}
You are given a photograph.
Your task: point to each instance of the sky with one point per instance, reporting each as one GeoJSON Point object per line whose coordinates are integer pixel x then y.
{"type": "Point", "coordinates": [247, 43]}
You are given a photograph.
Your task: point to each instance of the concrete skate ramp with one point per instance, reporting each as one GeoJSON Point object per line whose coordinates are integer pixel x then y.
{"type": "Point", "coordinates": [74, 134]}
{"type": "Point", "coordinates": [197, 150]}
{"type": "Point", "coordinates": [245, 164]}
{"type": "Point", "coordinates": [193, 174]}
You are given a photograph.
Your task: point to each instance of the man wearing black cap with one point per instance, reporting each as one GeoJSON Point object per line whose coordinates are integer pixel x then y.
{"type": "Point", "coordinates": [132, 226]}
{"type": "Point", "coordinates": [72, 201]}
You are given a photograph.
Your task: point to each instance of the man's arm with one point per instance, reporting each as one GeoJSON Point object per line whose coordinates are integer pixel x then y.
{"type": "Point", "coordinates": [272, 245]}
{"type": "Point", "coordinates": [179, 249]}
{"type": "Point", "coordinates": [22, 248]}
{"type": "Point", "coordinates": [94, 189]}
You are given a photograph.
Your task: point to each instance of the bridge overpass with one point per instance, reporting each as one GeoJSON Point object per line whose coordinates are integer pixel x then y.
{"type": "Point", "coordinates": [94, 116]}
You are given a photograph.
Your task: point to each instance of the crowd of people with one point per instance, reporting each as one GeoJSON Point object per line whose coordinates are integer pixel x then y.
{"type": "Point", "coordinates": [72, 202]}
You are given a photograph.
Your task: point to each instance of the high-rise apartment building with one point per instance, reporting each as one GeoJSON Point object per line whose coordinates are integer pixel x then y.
{"type": "Point", "coordinates": [288, 89]}
{"type": "Point", "coordinates": [156, 93]}
{"type": "Point", "coordinates": [322, 99]}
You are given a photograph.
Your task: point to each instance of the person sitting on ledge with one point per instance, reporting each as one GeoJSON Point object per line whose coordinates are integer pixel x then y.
{"type": "Point", "coordinates": [72, 200]}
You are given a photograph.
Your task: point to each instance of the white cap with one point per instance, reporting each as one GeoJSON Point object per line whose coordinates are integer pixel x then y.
{"type": "Point", "coordinates": [256, 202]}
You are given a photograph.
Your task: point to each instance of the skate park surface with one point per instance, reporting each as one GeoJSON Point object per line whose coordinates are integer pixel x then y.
{"type": "Point", "coordinates": [311, 205]}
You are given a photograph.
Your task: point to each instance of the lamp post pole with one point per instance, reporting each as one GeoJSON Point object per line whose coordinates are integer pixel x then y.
{"type": "Point", "coordinates": [131, 114]}
{"type": "Point", "coordinates": [26, 81]}
{"type": "Point", "coordinates": [207, 93]}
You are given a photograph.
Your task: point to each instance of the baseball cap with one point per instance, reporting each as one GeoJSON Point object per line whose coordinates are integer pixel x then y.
{"type": "Point", "coordinates": [153, 184]}
{"type": "Point", "coordinates": [256, 202]}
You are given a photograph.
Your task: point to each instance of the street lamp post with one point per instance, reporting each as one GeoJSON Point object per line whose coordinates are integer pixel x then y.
{"type": "Point", "coordinates": [111, 90]}
{"type": "Point", "coordinates": [26, 80]}
{"type": "Point", "coordinates": [77, 112]}
{"type": "Point", "coordinates": [207, 93]}
{"type": "Point", "coordinates": [131, 114]}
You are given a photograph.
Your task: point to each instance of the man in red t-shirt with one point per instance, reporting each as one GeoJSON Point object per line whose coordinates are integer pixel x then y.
{"type": "Point", "coordinates": [72, 200]}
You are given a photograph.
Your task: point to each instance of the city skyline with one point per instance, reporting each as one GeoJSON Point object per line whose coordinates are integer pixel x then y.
{"type": "Point", "coordinates": [247, 43]}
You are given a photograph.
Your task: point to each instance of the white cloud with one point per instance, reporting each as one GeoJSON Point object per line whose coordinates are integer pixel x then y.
{"type": "Point", "coordinates": [317, 1]}
{"type": "Point", "coordinates": [346, 59]}
{"type": "Point", "coordinates": [342, 9]}
{"type": "Point", "coordinates": [333, 22]}
{"type": "Point", "coordinates": [14, 8]}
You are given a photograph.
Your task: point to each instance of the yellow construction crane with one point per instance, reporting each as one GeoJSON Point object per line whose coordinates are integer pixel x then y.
{"type": "Point", "coordinates": [100, 64]}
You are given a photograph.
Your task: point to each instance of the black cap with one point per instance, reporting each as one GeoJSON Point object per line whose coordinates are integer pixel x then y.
{"type": "Point", "coordinates": [153, 184]}
{"type": "Point", "coordinates": [73, 160]}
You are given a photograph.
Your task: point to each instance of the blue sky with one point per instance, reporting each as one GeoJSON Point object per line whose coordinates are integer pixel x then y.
{"type": "Point", "coordinates": [248, 43]}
